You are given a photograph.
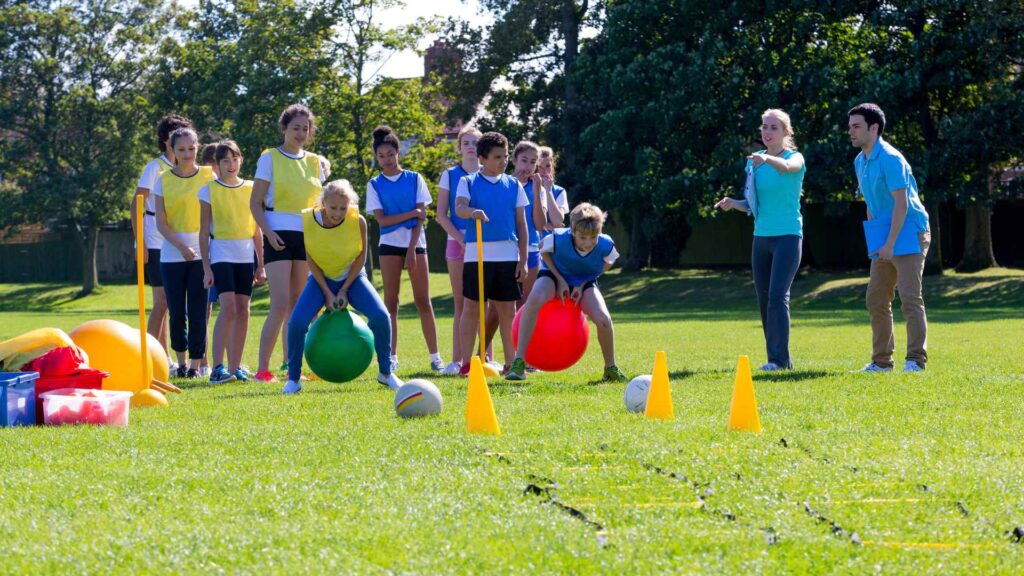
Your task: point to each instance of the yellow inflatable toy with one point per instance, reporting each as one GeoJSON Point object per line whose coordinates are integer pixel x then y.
{"type": "Point", "coordinates": [21, 350]}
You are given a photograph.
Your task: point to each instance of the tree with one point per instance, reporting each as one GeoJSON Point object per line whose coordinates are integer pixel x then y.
{"type": "Point", "coordinates": [532, 49]}
{"type": "Point", "coordinates": [71, 108]}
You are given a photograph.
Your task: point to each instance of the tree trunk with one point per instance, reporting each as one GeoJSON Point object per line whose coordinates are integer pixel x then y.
{"type": "Point", "coordinates": [933, 262]}
{"type": "Point", "coordinates": [90, 276]}
{"type": "Point", "coordinates": [978, 253]}
{"type": "Point", "coordinates": [639, 245]}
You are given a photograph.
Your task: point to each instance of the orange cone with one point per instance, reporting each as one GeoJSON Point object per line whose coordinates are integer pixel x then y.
{"type": "Point", "coordinates": [659, 397]}
{"type": "Point", "coordinates": [743, 411]}
{"type": "Point", "coordinates": [480, 416]}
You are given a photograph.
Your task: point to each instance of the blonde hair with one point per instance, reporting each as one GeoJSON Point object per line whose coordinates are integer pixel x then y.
{"type": "Point", "coordinates": [547, 152]}
{"type": "Point", "coordinates": [587, 219]}
{"type": "Point", "coordinates": [788, 141]}
{"type": "Point", "coordinates": [340, 188]}
{"type": "Point", "coordinates": [467, 130]}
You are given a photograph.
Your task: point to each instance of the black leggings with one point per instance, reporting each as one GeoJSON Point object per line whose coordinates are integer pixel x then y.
{"type": "Point", "coordinates": [186, 298]}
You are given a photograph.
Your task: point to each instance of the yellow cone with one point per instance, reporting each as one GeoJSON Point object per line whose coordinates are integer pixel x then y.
{"type": "Point", "coordinates": [480, 417]}
{"type": "Point", "coordinates": [743, 412]}
{"type": "Point", "coordinates": [659, 397]}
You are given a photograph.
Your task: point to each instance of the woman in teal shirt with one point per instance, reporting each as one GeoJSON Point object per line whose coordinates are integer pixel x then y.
{"type": "Point", "coordinates": [778, 175]}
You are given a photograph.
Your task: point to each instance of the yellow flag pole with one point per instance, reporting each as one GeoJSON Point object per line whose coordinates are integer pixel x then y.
{"type": "Point", "coordinates": [140, 206]}
{"type": "Point", "coordinates": [480, 289]}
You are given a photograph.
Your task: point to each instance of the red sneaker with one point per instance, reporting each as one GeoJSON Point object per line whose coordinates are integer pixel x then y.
{"type": "Point", "coordinates": [265, 376]}
{"type": "Point", "coordinates": [464, 371]}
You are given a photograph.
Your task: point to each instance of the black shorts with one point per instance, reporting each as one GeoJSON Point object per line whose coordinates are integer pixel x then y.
{"type": "Point", "coordinates": [233, 277]}
{"type": "Point", "coordinates": [499, 281]}
{"type": "Point", "coordinates": [294, 247]}
{"type": "Point", "coordinates": [549, 274]}
{"type": "Point", "coordinates": [389, 250]}
{"type": "Point", "coordinates": [152, 269]}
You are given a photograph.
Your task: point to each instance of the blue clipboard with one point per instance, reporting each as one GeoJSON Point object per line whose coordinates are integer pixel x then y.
{"type": "Point", "coordinates": [876, 232]}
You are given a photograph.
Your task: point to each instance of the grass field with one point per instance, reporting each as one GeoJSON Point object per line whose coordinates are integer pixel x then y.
{"type": "Point", "coordinates": [919, 473]}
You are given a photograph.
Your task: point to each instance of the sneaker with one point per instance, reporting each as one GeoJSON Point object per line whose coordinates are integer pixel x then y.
{"type": "Point", "coordinates": [496, 365]}
{"type": "Point", "coordinates": [912, 366]}
{"type": "Point", "coordinates": [221, 375]}
{"type": "Point", "coordinates": [437, 365]}
{"type": "Point", "coordinates": [872, 368]}
{"type": "Point", "coordinates": [394, 364]}
{"type": "Point", "coordinates": [613, 374]}
{"type": "Point", "coordinates": [390, 380]}
{"type": "Point", "coordinates": [291, 387]}
{"type": "Point", "coordinates": [464, 370]}
{"type": "Point", "coordinates": [265, 376]}
{"type": "Point", "coordinates": [192, 374]}
{"type": "Point", "coordinates": [532, 369]}
{"type": "Point", "coordinates": [241, 375]}
{"type": "Point", "coordinates": [204, 371]}
{"type": "Point", "coordinates": [181, 372]}
{"type": "Point", "coordinates": [172, 365]}
{"type": "Point", "coordinates": [284, 367]}
{"type": "Point", "coordinates": [517, 371]}
{"type": "Point", "coordinates": [771, 367]}
{"type": "Point", "coordinates": [452, 369]}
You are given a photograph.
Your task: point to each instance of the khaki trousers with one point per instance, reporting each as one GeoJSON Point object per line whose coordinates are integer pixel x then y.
{"type": "Point", "coordinates": [902, 273]}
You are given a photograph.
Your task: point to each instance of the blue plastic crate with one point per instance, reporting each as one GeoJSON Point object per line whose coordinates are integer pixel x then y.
{"type": "Point", "coordinates": [18, 398]}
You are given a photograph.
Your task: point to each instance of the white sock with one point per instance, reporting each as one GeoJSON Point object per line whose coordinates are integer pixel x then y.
{"type": "Point", "coordinates": [435, 356]}
{"type": "Point", "coordinates": [394, 357]}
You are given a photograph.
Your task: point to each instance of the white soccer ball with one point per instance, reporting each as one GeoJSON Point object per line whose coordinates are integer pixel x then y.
{"type": "Point", "coordinates": [417, 398]}
{"type": "Point", "coordinates": [636, 393]}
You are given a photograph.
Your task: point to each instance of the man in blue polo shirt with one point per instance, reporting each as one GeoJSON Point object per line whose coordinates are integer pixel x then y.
{"type": "Point", "coordinates": [900, 225]}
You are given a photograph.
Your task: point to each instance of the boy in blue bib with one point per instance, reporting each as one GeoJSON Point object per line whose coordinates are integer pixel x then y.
{"type": "Point", "coordinates": [499, 202]}
{"type": "Point", "coordinates": [573, 258]}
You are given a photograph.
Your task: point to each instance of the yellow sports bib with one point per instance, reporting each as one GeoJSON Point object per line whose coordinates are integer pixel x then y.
{"type": "Point", "coordinates": [333, 249]}
{"type": "Point", "coordinates": [181, 198]}
{"type": "Point", "coordinates": [232, 219]}
{"type": "Point", "coordinates": [296, 181]}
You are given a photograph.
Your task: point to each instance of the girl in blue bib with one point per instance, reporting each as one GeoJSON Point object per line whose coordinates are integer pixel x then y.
{"type": "Point", "coordinates": [398, 201]}
{"type": "Point", "coordinates": [524, 159]}
{"type": "Point", "coordinates": [455, 249]}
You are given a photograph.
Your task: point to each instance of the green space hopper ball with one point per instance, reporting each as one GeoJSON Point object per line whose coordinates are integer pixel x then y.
{"type": "Point", "coordinates": [339, 346]}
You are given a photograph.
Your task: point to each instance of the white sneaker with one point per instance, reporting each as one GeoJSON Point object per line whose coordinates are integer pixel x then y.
{"type": "Point", "coordinates": [496, 365]}
{"type": "Point", "coordinates": [437, 365]}
{"type": "Point", "coordinates": [391, 381]}
{"type": "Point", "coordinates": [872, 368]}
{"type": "Point", "coordinates": [771, 367]}
{"type": "Point", "coordinates": [451, 369]}
{"type": "Point", "coordinates": [204, 371]}
{"type": "Point", "coordinates": [291, 387]}
{"type": "Point", "coordinates": [912, 366]}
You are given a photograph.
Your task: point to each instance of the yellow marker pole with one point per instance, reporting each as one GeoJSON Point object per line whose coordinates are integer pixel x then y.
{"type": "Point", "coordinates": [140, 207]}
{"type": "Point", "coordinates": [480, 289]}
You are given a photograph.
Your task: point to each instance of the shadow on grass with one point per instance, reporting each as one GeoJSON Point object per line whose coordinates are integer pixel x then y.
{"type": "Point", "coordinates": [791, 375]}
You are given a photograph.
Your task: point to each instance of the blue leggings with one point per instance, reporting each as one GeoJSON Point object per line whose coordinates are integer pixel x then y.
{"type": "Point", "coordinates": [362, 297]}
{"type": "Point", "coordinates": [775, 260]}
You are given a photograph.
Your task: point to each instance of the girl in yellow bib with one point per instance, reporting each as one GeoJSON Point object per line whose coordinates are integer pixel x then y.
{"type": "Point", "coordinates": [335, 239]}
{"type": "Point", "coordinates": [228, 236]}
{"type": "Point", "coordinates": [288, 180]}
{"type": "Point", "coordinates": [177, 218]}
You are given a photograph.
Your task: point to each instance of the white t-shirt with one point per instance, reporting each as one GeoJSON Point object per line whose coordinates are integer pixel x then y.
{"type": "Point", "coordinates": [265, 171]}
{"type": "Point", "coordinates": [319, 217]}
{"type": "Point", "coordinates": [547, 244]}
{"type": "Point", "coordinates": [402, 236]}
{"type": "Point", "coordinates": [445, 183]}
{"type": "Point", "coordinates": [561, 201]}
{"type": "Point", "coordinates": [543, 208]}
{"type": "Point", "coordinates": [151, 237]}
{"type": "Point", "coordinates": [501, 251]}
{"type": "Point", "coordinates": [233, 251]}
{"type": "Point", "coordinates": [168, 252]}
